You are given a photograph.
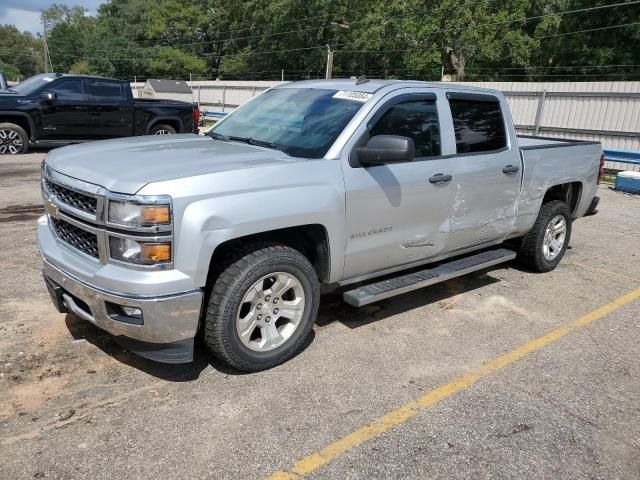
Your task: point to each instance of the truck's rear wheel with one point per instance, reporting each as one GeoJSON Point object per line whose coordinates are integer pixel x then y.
{"type": "Point", "coordinates": [13, 139]}
{"type": "Point", "coordinates": [262, 308]}
{"type": "Point", "coordinates": [545, 244]}
{"type": "Point", "coordinates": [162, 129]}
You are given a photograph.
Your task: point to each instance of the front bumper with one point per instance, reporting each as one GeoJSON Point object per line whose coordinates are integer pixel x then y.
{"type": "Point", "coordinates": [165, 333]}
{"type": "Point", "coordinates": [169, 321]}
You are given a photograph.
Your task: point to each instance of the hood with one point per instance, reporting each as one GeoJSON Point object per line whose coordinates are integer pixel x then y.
{"type": "Point", "coordinates": [126, 165]}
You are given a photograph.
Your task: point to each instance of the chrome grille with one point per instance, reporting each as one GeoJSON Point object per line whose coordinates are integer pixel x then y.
{"type": "Point", "coordinates": [72, 198]}
{"type": "Point", "coordinates": [78, 238]}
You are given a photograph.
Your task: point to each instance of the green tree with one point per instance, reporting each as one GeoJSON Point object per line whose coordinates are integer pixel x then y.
{"type": "Point", "coordinates": [70, 36]}
{"type": "Point", "coordinates": [20, 53]}
{"type": "Point", "coordinates": [470, 39]}
{"type": "Point", "coordinates": [588, 45]}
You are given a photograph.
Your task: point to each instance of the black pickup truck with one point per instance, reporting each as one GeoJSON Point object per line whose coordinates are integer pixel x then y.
{"type": "Point", "coordinates": [54, 108]}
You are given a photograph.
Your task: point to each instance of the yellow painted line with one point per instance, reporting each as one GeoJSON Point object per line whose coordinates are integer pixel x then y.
{"type": "Point", "coordinates": [315, 461]}
{"type": "Point", "coordinates": [604, 271]}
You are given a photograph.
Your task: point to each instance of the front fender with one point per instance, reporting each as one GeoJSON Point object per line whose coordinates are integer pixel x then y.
{"type": "Point", "coordinates": [229, 205]}
{"type": "Point", "coordinates": [211, 222]}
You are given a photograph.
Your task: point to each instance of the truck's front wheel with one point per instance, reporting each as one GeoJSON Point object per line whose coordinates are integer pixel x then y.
{"type": "Point", "coordinates": [13, 139]}
{"type": "Point", "coordinates": [262, 308]}
{"type": "Point", "coordinates": [545, 244]}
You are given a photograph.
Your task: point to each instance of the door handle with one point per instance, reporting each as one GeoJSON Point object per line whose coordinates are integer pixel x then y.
{"type": "Point", "coordinates": [440, 178]}
{"type": "Point", "coordinates": [509, 169]}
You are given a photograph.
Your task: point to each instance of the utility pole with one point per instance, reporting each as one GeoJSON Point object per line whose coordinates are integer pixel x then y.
{"type": "Point", "coordinates": [329, 62]}
{"type": "Point", "coordinates": [46, 47]}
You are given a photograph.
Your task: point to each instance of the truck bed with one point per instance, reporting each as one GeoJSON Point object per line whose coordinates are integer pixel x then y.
{"type": "Point", "coordinates": [555, 161]}
{"type": "Point", "coordinates": [529, 142]}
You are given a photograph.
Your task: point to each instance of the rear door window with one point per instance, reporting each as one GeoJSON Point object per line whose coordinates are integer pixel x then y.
{"type": "Point", "coordinates": [416, 119]}
{"type": "Point", "coordinates": [104, 91]}
{"type": "Point", "coordinates": [478, 125]}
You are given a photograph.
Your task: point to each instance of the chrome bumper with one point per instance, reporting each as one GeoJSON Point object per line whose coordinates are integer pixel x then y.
{"type": "Point", "coordinates": [165, 332]}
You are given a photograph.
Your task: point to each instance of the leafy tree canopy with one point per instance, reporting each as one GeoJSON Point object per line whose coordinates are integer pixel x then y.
{"type": "Point", "coordinates": [258, 39]}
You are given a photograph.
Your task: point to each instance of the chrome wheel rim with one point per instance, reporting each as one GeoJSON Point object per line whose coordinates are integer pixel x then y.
{"type": "Point", "coordinates": [270, 312]}
{"type": "Point", "coordinates": [554, 237]}
{"type": "Point", "coordinates": [162, 131]}
{"type": "Point", "coordinates": [10, 142]}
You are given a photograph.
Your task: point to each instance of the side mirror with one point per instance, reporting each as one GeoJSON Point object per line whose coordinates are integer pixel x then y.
{"type": "Point", "coordinates": [382, 149]}
{"type": "Point", "coordinates": [47, 97]}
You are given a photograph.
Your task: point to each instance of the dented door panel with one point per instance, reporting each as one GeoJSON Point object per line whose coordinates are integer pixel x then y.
{"type": "Point", "coordinates": [483, 206]}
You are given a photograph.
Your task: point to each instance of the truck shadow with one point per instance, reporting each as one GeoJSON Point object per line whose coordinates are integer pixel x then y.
{"type": "Point", "coordinates": [83, 330]}
{"type": "Point", "coordinates": [332, 309]}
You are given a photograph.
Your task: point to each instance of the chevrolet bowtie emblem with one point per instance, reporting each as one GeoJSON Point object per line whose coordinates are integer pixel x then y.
{"type": "Point", "coordinates": [51, 207]}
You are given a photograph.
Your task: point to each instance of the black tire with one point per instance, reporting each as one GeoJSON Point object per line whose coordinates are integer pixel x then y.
{"type": "Point", "coordinates": [9, 146]}
{"type": "Point", "coordinates": [162, 127]}
{"type": "Point", "coordinates": [245, 268]}
{"type": "Point", "coordinates": [531, 252]}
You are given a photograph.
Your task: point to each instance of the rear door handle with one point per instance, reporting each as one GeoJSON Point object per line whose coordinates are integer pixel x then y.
{"type": "Point", "coordinates": [440, 178]}
{"type": "Point", "coordinates": [509, 169]}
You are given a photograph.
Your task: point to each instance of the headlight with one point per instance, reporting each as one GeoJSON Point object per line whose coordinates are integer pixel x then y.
{"type": "Point", "coordinates": [127, 213]}
{"type": "Point", "coordinates": [139, 252]}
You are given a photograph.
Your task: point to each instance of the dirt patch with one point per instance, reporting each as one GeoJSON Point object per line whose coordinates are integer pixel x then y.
{"type": "Point", "coordinates": [486, 308]}
{"type": "Point", "coordinates": [21, 172]}
{"type": "Point", "coordinates": [20, 213]}
{"type": "Point", "coordinates": [30, 379]}
{"type": "Point", "coordinates": [27, 397]}
{"type": "Point", "coordinates": [52, 332]}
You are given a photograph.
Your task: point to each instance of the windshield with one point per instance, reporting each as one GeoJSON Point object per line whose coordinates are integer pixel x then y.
{"type": "Point", "coordinates": [31, 84]}
{"type": "Point", "coordinates": [301, 122]}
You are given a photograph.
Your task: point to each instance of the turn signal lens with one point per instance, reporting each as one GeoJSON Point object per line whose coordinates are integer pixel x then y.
{"type": "Point", "coordinates": [156, 252]}
{"type": "Point", "coordinates": [156, 214]}
{"type": "Point", "coordinates": [139, 252]}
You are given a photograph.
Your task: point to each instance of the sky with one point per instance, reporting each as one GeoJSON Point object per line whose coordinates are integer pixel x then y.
{"type": "Point", "coordinates": [25, 14]}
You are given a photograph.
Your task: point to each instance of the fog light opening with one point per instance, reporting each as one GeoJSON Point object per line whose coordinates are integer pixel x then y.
{"type": "Point", "coordinates": [131, 311]}
{"type": "Point", "coordinates": [124, 313]}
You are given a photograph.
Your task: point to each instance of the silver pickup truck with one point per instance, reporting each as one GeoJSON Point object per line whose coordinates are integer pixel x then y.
{"type": "Point", "coordinates": [375, 187]}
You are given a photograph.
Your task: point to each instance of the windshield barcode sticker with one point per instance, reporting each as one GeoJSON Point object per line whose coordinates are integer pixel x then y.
{"type": "Point", "coordinates": [349, 95]}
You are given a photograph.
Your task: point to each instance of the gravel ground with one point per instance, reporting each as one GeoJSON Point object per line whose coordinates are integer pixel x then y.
{"type": "Point", "coordinates": [75, 405]}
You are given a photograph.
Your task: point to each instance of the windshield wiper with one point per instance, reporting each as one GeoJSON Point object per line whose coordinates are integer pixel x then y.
{"type": "Point", "coordinates": [253, 141]}
{"type": "Point", "coordinates": [218, 136]}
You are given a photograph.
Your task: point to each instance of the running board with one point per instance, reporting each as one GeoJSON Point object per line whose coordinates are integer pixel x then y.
{"type": "Point", "coordinates": [391, 287]}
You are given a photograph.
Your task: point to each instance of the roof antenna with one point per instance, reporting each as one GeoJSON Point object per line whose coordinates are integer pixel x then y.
{"type": "Point", "coordinates": [362, 79]}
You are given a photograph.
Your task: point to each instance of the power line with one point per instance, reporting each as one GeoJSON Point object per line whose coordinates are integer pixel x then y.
{"type": "Point", "coordinates": [431, 34]}
{"type": "Point", "coordinates": [264, 35]}
{"type": "Point", "coordinates": [532, 38]}
{"type": "Point", "coordinates": [251, 53]}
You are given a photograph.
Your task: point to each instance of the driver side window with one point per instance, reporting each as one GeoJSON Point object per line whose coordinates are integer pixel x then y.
{"type": "Point", "coordinates": [416, 119]}
{"type": "Point", "coordinates": [68, 89]}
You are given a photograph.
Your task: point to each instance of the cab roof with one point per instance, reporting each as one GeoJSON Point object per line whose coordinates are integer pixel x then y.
{"type": "Point", "coordinates": [373, 85]}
